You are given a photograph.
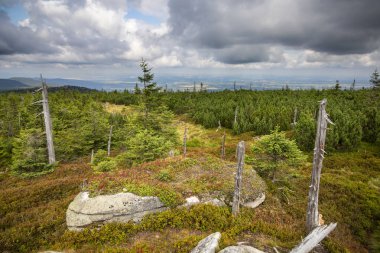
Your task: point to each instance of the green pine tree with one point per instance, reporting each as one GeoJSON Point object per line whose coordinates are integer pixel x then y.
{"type": "Point", "coordinates": [274, 150]}
{"type": "Point", "coordinates": [150, 100]}
{"type": "Point", "coordinates": [375, 81]}
{"type": "Point", "coordinates": [29, 153]}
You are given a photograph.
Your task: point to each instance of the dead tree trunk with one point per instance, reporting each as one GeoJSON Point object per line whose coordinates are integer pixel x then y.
{"type": "Point", "coordinates": [312, 219]}
{"type": "Point", "coordinates": [219, 126]}
{"type": "Point", "coordinates": [315, 237]}
{"type": "Point", "coordinates": [238, 177]}
{"type": "Point", "coordinates": [295, 117]}
{"type": "Point", "coordinates": [92, 156]}
{"type": "Point", "coordinates": [223, 150]}
{"type": "Point", "coordinates": [109, 142]}
{"type": "Point", "coordinates": [184, 142]}
{"type": "Point", "coordinates": [236, 112]}
{"type": "Point", "coordinates": [48, 125]}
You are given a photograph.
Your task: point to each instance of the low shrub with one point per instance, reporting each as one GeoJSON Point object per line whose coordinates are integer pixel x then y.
{"type": "Point", "coordinates": [105, 166]}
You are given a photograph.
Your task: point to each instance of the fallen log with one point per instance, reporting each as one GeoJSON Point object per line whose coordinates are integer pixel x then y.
{"type": "Point", "coordinates": [313, 238]}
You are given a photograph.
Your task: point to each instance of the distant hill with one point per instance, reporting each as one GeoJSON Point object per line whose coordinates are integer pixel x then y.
{"type": "Point", "coordinates": [51, 89]}
{"type": "Point", "coordinates": [32, 82]}
{"type": "Point", "coordinates": [9, 84]}
{"type": "Point", "coordinates": [70, 87]}
{"type": "Point", "coordinates": [98, 85]}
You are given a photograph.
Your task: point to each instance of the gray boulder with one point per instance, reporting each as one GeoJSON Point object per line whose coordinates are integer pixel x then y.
{"type": "Point", "coordinates": [209, 244]}
{"type": "Point", "coordinates": [194, 200]}
{"type": "Point", "coordinates": [258, 201]}
{"type": "Point", "coordinates": [121, 207]}
{"type": "Point", "coordinates": [240, 249]}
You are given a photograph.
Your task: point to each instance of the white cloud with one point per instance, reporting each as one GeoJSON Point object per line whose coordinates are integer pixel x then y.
{"type": "Point", "coordinates": [225, 34]}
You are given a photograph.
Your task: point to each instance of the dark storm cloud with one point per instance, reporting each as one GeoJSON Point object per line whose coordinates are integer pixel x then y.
{"type": "Point", "coordinates": [242, 54]}
{"type": "Point", "coordinates": [336, 27]}
{"type": "Point", "coordinates": [22, 40]}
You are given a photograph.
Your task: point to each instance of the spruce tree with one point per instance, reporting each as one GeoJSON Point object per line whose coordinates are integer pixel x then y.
{"type": "Point", "coordinates": [150, 99]}
{"type": "Point", "coordinates": [375, 81]}
{"type": "Point", "coordinates": [275, 150]}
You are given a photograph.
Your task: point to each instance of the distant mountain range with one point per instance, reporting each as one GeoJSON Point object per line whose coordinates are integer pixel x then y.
{"type": "Point", "coordinates": [9, 84]}
{"type": "Point", "coordinates": [181, 83]}
{"type": "Point", "coordinates": [20, 83]}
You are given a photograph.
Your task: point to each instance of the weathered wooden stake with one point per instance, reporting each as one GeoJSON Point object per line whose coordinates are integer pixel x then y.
{"type": "Point", "coordinates": [184, 141]}
{"type": "Point", "coordinates": [92, 156]}
{"type": "Point", "coordinates": [236, 112]}
{"type": "Point", "coordinates": [48, 125]}
{"type": "Point", "coordinates": [312, 239]}
{"type": "Point", "coordinates": [238, 177]}
{"type": "Point", "coordinates": [295, 117]}
{"type": "Point", "coordinates": [312, 219]}
{"type": "Point", "coordinates": [109, 142]}
{"type": "Point", "coordinates": [223, 150]}
{"type": "Point", "coordinates": [219, 126]}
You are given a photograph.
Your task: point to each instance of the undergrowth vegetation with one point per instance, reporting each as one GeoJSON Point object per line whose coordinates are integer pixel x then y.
{"type": "Point", "coordinates": [32, 209]}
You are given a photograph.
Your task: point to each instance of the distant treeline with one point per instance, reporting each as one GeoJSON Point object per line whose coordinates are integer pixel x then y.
{"type": "Point", "coordinates": [355, 113]}
{"type": "Point", "coordinates": [50, 89]}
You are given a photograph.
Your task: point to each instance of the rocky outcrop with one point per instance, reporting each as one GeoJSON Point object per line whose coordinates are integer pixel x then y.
{"type": "Point", "coordinates": [194, 200]}
{"type": "Point", "coordinates": [258, 201]}
{"type": "Point", "coordinates": [240, 249]}
{"type": "Point", "coordinates": [209, 244]}
{"type": "Point", "coordinates": [121, 207]}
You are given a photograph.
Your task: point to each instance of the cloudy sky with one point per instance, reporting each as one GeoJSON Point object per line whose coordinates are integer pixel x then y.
{"type": "Point", "coordinates": [105, 39]}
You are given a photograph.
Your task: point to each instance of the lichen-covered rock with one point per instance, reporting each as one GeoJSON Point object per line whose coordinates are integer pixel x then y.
{"type": "Point", "coordinates": [121, 207]}
{"type": "Point", "coordinates": [208, 245]}
{"type": "Point", "coordinates": [194, 200]}
{"type": "Point", "coordinates": [215, 202]}
{"type": "Point", "coordinates": [240, 249]}
{"type": "Point", "coordinates": [258, 201]}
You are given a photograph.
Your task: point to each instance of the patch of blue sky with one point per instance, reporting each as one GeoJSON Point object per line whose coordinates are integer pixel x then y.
{"type": "Point", "coordinates": [136, 14]}
{"type": "Point", "coordinates": [16, 13]}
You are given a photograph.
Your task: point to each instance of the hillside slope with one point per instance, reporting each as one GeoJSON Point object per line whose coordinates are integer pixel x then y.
{"type": "Point", "coordinates": [8, 84]}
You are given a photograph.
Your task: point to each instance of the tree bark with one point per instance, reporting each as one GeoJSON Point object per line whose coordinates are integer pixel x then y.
{"type": "Point", "coordinates": [315, 237]}
{"type": "Point", "coordinates": [109, 142]}
{"type": "Point", "coordinates": [236, 112]}
{"type": "Point", "coordinates": [48, 125]}
{"type": "Point", "coordinates": [238, 177]}
{"type": "Point", "coordinates": [295, 117]}
{"type": "Point", "coordinates": [184, 142]}
{"type": "Point", "coordinates": [223, 151]}
{"type": "Point", "coordinates": [92, 156]}
{"type": "Point", "coordinates": [312, 219]}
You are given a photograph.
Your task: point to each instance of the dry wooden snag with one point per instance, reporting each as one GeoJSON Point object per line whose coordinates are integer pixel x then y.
{"type": "Point", "coordinates": [312, 216]}
{"type": "Point", "coordinates": [184, 141]}
{"type": "Point", "coordinates": [109, 142]}
{"type": "Point", "coordinates": [223, 149]}
{"type": "Point", "coordinates": [312, 239]}
{"type": "Point", "coordinates": [47, 121]}
{"type": "Point", "coordinates": [238, 178]}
